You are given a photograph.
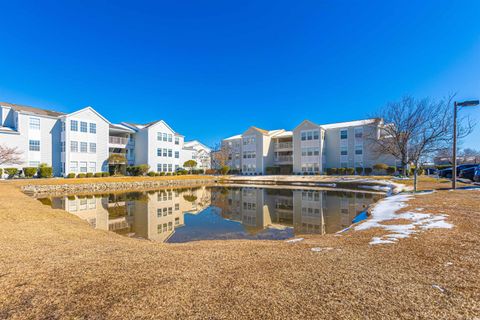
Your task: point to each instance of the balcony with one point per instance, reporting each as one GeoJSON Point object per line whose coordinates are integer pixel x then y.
{"type": "Point", "coordinates": [283, 145]}
{"type": "Point", "coordinates": [120, 142]}
{"type": "Point", "coordinates": [283, 159]}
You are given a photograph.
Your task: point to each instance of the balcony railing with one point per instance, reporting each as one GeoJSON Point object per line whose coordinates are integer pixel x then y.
{"type": "Point", "coordinates": [283, 145]}
{"type": "Point", "coordinates": [120, 140]}
{"type": "Point", "coordinates": [283, 159]}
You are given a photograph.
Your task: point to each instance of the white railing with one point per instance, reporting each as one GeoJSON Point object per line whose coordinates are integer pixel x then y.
{"type": "Point", "coordinates": [283, 145]}
{"type": "Point", "coordinates": [284, 159]}
{"type": "Point", "coordinates": [118, 140]}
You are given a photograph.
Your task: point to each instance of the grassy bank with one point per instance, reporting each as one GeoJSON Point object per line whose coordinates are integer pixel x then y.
{"type": "Point", "coordinates": [53, 265]}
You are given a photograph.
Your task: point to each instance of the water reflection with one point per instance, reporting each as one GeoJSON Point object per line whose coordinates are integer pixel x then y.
{"type": "Point", "coordinates": [180, 215]}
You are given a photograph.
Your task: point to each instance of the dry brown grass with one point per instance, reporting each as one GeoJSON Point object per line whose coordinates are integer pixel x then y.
{"type": "Point", "coordinates": [53, 265]}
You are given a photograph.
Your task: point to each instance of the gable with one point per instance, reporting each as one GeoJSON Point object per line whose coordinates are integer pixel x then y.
{"type": "Point", "coordinates": [87, 113]}
{"type": "Point", "coordinates": [305, 125]}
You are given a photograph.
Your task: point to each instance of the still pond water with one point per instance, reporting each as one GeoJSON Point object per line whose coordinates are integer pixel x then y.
{"type": "Point", "coordinates": [206, 213]}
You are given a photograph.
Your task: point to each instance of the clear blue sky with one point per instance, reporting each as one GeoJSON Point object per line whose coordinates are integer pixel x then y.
{"type": "Point", "coordinates": [213, 68]}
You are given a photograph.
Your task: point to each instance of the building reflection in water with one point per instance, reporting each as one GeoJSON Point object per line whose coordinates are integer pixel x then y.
{"type": "Point", "coordinates": [220, 212]}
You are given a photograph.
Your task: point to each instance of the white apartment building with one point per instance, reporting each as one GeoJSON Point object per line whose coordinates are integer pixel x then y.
{"type": "Point", "coordinates": [82, 141]}
{"type": "Point", "coordinates": [199, 152]}
{"type": "Point", "coordinates": [309, 148]}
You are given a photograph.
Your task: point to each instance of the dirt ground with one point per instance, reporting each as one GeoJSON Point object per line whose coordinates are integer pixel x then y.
{"type": "Point", "coordinates": [53, 265]}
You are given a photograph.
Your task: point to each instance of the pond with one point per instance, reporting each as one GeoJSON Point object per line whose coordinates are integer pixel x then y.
{"type": "Point", "coordinates": [212, 213]}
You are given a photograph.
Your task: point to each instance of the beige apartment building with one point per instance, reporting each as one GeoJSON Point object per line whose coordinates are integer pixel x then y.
{"type": "Point", "coordinates": [309, 149]}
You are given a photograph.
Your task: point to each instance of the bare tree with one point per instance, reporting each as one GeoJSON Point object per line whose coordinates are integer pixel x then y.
{"type": "Point", "coordinates": [470, 155]}
{"type": "Point", "coordinates": [416, 129]}
{"type": "Point", "coordinates": [10, 155]}
{"type": "Point", "coordinates": [221, 155]}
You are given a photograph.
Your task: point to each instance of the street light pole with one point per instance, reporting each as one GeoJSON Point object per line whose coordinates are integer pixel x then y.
{"type": "Point", "coordinates": [470, 103]}
{"type": "Point", "coordinates": [454, 167]}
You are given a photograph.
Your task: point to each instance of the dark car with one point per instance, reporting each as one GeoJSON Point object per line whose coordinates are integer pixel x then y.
{"type": "Point", "coordinates": [476, 175]}
{"type": "Point", "coordinates": [468, 173]}
{"type": "Point", "coordinates": [447, 173]}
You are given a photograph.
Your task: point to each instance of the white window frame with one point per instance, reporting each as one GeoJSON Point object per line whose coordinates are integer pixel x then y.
{"type": "Point", "coordinates": [74, 125]}
{"type": "Point", "coordinates": [92, 128]}
{"type": "Point", "coordinates": [33, 145]}
{"type": "Point", "coordinates": [34, 123]}
{"type": "Point", "coordinates": [83, 126]}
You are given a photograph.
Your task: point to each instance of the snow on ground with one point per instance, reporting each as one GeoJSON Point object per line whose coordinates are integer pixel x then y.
{"type": "Point", "coordinates": [377, 188]}
{"type": "Point", "coordinates": [387, 209]}
{"type": "Point", "coordinates": [294, 240]}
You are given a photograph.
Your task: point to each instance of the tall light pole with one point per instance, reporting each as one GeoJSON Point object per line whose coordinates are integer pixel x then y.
{"type": "Point", "coordinates": [470, 103]}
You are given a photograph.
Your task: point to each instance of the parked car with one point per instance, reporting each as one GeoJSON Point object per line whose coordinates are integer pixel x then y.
{"type": "Point", "coordinates": [468, 173]}
{"type": "Point", "coordinates": [447, 173]}
{"type": "Point", "coordinates": [476, 175]}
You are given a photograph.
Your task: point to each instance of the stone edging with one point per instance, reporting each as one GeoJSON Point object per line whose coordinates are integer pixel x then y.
{"type": "Point", "coordinates": [110, 186]}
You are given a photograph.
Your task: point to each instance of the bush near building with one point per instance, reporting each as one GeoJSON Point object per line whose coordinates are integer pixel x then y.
{"type": "Point", "coordinates": [81, 175]}
{"type": "Point", "coordinates": [391, 170]}
{"type": "Point", "coordinates": [29, 172]}
{"type": "Point", "coordinates": [98, 174]}
{"type": "Point", "coordinates": [368, 171]}
{"type": "Point", "coordinates": [44, 171]}
{"type": "Point", "coordinates": [89, 175]}
{"type": "Point", "coordinates": [11, 172]}
{"type": "Point", "coordinates": [139, 170]}
{"type": "Point", "coordinates": [71, 175]}
{"type": "Point", "coordinates": [349, 171]}
{"type": "Point", "coordinates": [224, 170]}
{"type": "Point", "coordinates": [359, 170]}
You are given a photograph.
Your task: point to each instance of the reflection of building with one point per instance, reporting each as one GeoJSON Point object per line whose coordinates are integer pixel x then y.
{"type": "Point", "coordinates": [308, 211]}
{"type": "Point", "coordinates": [150, 215]}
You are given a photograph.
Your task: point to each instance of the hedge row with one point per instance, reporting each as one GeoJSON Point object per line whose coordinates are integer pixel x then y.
{"type": "Point", "coordinates": [43, 171]}
{"type": "Point", "coordinates": [88, 175]}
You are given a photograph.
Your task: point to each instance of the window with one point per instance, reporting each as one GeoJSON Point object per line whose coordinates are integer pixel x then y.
{"type": "Point", "coordinates": [62, 146]}
{"type": "Point", "coordinates": [73, 125]}
{"type": "Point", "coordinates": [170, 138]}
{"type": "Point", "coordinates": [170, 153]}
{"type": "Point", "coordinates": [93, 128]}
{"type": "Point", "coordinates": [316, 151]}
{"type": "Point", "coordinates": [34, 145]}
{"type": "Point", "coordinates": [169, 167]}
{"type": "Point", "coordinates": [83, 166]}
{"type": "Point", "coordinates": [35, 123]}
{"type": "Point", "coordinates": [343, 151]}
{"type": "Point", "coordinates": [159, 136]}
{"type": "Point", "coordinates": [165, 167]}
{"type": "Point", "coordinates": [177, 140]}
{"type": "Point", "coordinates": [73, 166]}
{"type": "Point", "coordinates": [177, 206]}
{"type": "Point", "coordinates": [83, 126]}
{"type": "Point", "coordinates": [358, 150]}
{"type": "Point", "coordinates": [309, 135]}
{"type": "Point", "coordinates": [159, 167]}
{"type": "Point", "coordinates": [92, 167]}
{"type": "Point", "coordinates": [165, 138]}
{"type": "Point", "coordinates": [343, 134]}
{"type": "Point", "coordinates": [83, 147]}
{"type": "Point", "coordinates": [358, 133]}
{"type": "Point", "coordinates": [159, 152]}
{"type": "Point", "coordinates": [177, 221]}
{"type": "Point", "coordinates": [159, 213]}
{"type": "Point", "coordinates": [73, 146]}
{"type": "Point", "coordinates": [177, 154]}
{"type": "Point", "coordinates": [315, 135]}
{"type": "Point", "coordinates": [170, 210]}
{"type": "Point", "coordinates": [304, 136]}
{"type": "Point", "coordinates": [34, 163]}
{"type": "Point", "coordinates": [93, 147]}
{"type": "Point", "coordinates": [63, 126]}
{"type": "Point", "coordinates": [165, 152]}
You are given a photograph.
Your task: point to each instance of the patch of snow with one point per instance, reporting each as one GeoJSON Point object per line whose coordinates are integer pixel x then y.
{"type": "Point", "coordinates": [332, 185]}
{"type": "Point", "coordinates": [438, 287]}
{"type": "Point", "coordinates": [422, 193]}
{"type": "Point", "coordinates": [377, 188]}
{"type": "Point", "coordinates": [386, 210]}
{"type": "Point", "coordinates": [420, 209]}
{"type": "Point", "coordinates": [318, 249]}
{"type": "Point", "coordinates": [447, 264]}
{"type": "Point", "coordinates": [294, 240]}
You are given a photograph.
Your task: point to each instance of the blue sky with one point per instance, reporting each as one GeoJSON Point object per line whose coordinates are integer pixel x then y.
{"type": "Point", "coordinates": [213, 68]}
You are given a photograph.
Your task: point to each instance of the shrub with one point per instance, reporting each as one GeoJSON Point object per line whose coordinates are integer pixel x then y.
{"type": "Point", "coordinates": [81, 175]}
{"type": "Point", "coordinates": [105, 174]}
{"type": "Point", "coordinates": [359, 170]}
{"type": "Point", "coordinates": [151, 174]}
{"type": "Point", "coordinates": [89, 175]}
{"type": "Point", "coordinates": [380, 166]}
{"type": "Point", "coordinates": [391, 170]}
{"type": "Point", "coordinates": [168, 173]}
{"type": "Point", "coordinates": [210, 171]}
{"type": "Point", "coordinates": [98, 174]}
{"type": "Point", "coordinates": [139, 170]}
{"type": "Point", "coordinates": [11, 172]}
{"type": "Point", "coordinates": [341, 171]}
{"type": "Point", "coordinates": [71, 175]}
{"type": "Point", "coordinates": [349, 171]}
{"type": "Point", "coordinates": [224, 170]}
{"type": "Point", "coordinates": [272, 170]}
{"type": "Point", "coordinates": [29, 171]}
{"type": "Point", "coordinates": [44, 171]}
{"type": "Point", "coordinates": [329, 171]}
{"type": "Point", "coordinates": [1, 172]}
{"type": "Point", "coordinates": [368, 171]}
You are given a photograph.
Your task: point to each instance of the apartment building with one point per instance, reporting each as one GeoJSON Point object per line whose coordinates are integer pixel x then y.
{"type": "Point", "coordinates": [198, 152]}
{"type": "Point", "coordinates": [309, 148]}
{"type": "Point", "coordinates": [82, 141]}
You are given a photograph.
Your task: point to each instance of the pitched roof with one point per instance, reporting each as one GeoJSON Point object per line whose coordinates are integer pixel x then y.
{"type": "Point", "coordinates": [349, 124]}
{"type": "Point", "coordinates": [91, 109]}
{"type": "Point", "coordinates": [238, 136]}
{"type": "Point", "coordinates": [33, 110]}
